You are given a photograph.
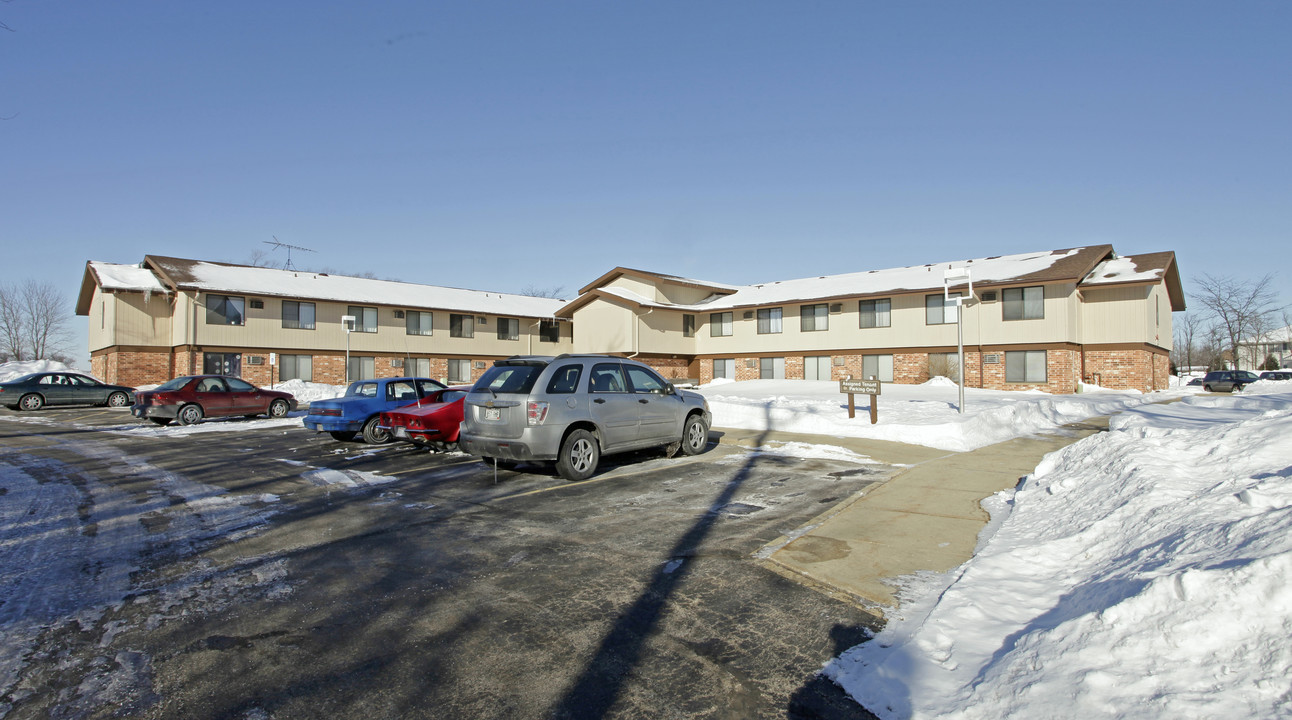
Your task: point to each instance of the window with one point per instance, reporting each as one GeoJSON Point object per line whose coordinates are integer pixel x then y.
{"type": "Point", "coordinates": [295, 367]}
{"type": "Point", "coordinates": [939, 310]}
{"type": "Point", "coordinates": [771, 368]}
{"type": "Point", "coordinates": [298, 315]}
{"type": "Point", "coordinates": [878, 367]}
{"type": "Point", "coordinates": [644, 381]}
{"type": "Point", "coordinates": [508, 328]}
{"type": "Point", "coordinates": [607, 378]}
{"type": "Point", "coordinates": [417, 322]}
{"type": "Point", "coordinates": [1025, 366]}
{"type": "Point", "coordinates": [565, 380]}
{"type": "Point", "coordinates": [224, 310]}
{"type": "Point", "coordinates": [946, 365]}
{"type": "Point", "coordinates": [769, 321]}
{"type": "Point", "coordinates": [417, 367]}
{"type": "Point", "coordinates": [1025, 303]}
{"type": "Point", "coordinates": [549, 331]}
{"type": "Point", "coordinates": [724, 368]}
{"type": "Point", "coordinates": [816, 367]}
{"type": "Point", "coordinates": [401, 390]}
{"type": "Point", "coordinates": [813, 318]}
{"type": "Point", "coordinates": [462, 326]}
{"type": "Point", "coordinates": [359, 367]}
{"type": "Point", "coordinates": [719, 324]}
{"type": "Point", "coordinates": [688, 326]}
{"type": "Point", "coordinates": [221, 364]}
{"type": "Point", "coordinates": [365, 319]}
{"type": "Point", "coordinates": [460, 369]}
{"type": "Point", "coordinates": [876, 313]}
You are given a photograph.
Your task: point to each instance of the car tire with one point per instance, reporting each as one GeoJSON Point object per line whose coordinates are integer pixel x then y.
{"type": "Point", "coordinates": [1206, 388]}
{"type": "Point", "coordinates": [160, 421]}
{"type": "Point", "coordinates": [579, 456]}
{"type": "Point", "coordinates": [189, 414]}
{"type": "Point", "coordinates": [31, 401]}
{"type": "Point", "coordinates": [118, 399]}
{"type": "Point", "coordinates": [342, 435]}
{"type": "Point", "coordinates": [1236, 388]}
{"type": "Point", "coordinates": [374, 435]}
{"type": "Point", "coordinates": [695, 436]}
{"type": "Point", "coordinates": [279, 408]}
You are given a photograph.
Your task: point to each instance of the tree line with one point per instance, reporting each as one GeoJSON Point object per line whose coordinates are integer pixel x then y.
{"type": "Point", "coordinates": [34, 318]}
{"type": "Point", "coordinates": [1232, 314]}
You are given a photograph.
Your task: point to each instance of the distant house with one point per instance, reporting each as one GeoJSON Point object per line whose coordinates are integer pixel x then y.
{"type": "Point", "coordinates": [1276, 343]}
{"type": "Point", "coordinates": [1044, 320]}
{"type": "Point", "coordinates": [169, 316]}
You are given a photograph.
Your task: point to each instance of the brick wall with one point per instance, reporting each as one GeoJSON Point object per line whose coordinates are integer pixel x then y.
{"type": "Point", "coordinates": [1130, 369]}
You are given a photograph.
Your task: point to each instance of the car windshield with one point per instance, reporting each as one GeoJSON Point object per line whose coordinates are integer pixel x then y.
{"type": "Point", "coordinates": [175, 384]}
{"type": "Point", "coordinates": [509, 378]}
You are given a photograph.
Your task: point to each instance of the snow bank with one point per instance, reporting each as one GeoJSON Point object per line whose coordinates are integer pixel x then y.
{"type": "Point", "coordinates": [1145, 572]}
{"type": "Point", "coordinates": [920, 414]}
{"type": "Point", "coordinates": [14, 370]}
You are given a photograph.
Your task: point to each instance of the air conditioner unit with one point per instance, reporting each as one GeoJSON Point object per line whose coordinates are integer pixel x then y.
{"type": "Point", "coordinates": [989, 296]}
{"type": "Point", "coordinates": [991, 359]}
{"type": "Point", "coordinates": [838, 361]}
{"type": "Point", "coordinates": [751, 363]}
{"type": "Point", "coordinates": [399, 313]}
{"type": "Point", "coordinates": [749, 314]}
{"type": "Point", "coordinates": [481, 320]}
{"type": "Point", "coordinates": [836, 308]}
{"type": "Point", "coordinates": [255, 360]}
{"type": "Point", "coordinates": [257, 304]}
{"type": "Point", "coordinates": [478, 365]}
{"type": "Point", "coordinates": [397, 362]}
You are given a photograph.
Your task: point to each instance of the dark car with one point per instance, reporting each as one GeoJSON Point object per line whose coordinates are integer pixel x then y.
{"type": "Point", "coordinates": [34, 391]}
{"type": "Point", "coordinates": [361, 407]}
{"type": "Point", "coordinates": [1228, 380]}
{"type": "Point", "coordinates": [431, 422]}
{"type": "Point", "coordinates": [1277, 375]}
{"type": "Point", "coordinates": [189, 399]}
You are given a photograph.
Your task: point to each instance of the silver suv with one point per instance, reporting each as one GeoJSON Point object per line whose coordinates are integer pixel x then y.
{"type": "Point", "coordinates": [575, 408]}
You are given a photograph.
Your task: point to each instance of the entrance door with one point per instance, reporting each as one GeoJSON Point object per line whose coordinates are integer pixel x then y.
{"type": "Point", "coordinates": [222, 364]}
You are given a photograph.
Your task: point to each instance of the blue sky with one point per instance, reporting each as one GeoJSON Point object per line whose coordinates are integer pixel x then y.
{"type": "Point", "coordinates": [496, 145]}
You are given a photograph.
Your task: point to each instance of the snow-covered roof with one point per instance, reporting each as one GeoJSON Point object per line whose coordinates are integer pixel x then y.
{"type": "Point", "coordinates": [241, 279]}
{"type": "Point", "coordinates": [114, 276]}
{"type": "Point", "coordinates": [1037, 267]}
{"type": "Point", "coordinates": [1281, 335]}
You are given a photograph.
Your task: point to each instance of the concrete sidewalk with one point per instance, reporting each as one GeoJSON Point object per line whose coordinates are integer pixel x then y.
{"type": "Point", "coordinates": [926, 517]}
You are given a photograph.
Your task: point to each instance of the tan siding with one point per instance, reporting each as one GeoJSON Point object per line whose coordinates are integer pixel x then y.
{"type": "Point", "coordinates": [660, 332]}
{"type": "Point", "coordinates": [642, 287]}
{"type": "Point", "coordinates": [679, 295]}
{"type": "Point", "coordinates": [138, 319]}
{"type": "Point", "coordinates": [604, 327]}
{"type": "Point", "coordinates": [1118, 315]}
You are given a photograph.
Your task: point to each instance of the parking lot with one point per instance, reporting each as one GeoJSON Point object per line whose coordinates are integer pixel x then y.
{"type": "Point", "coordinates": [265, 571]}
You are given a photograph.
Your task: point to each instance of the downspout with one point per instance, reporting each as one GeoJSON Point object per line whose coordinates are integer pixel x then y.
{"type": "Point", "coordinates": [637, 331]}
{"type": "Point", "coordinates": [192, 348]}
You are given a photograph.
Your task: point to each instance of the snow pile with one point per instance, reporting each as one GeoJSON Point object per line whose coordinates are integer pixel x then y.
{"type": "Point", "coordinates": [919, 414]}
{"type": "Point", "coordinates": [1142, 572]}
{"type": "Point", "coordinates": [308, 392]}
{"type": "Point", "coordinates": [1262, 387]}
{"type": "Point", "coordinates": [14, 370]}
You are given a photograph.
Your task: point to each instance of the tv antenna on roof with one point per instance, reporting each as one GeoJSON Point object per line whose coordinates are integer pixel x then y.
{"type": "Point", "coordinates": [290, 248]}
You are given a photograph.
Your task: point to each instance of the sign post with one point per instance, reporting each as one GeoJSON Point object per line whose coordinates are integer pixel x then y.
{"type": "Point", "coordinates": [954, 276]}
{"type": "Point", "coordinates": [868, 387]}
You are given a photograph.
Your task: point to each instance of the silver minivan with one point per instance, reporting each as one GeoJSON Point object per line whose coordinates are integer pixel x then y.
{"type": "Point", "coordinates": [575, 408]}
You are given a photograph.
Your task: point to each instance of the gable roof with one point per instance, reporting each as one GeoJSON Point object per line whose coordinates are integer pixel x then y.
{"type": "Point", "coordinates": [1149, 268]}
{"type": "Point", "coordinates": [114, 277]}
{"type": "Point", "coordinates": [1068, 265]}
{"type": "Point", "coordinates": [718, 288]}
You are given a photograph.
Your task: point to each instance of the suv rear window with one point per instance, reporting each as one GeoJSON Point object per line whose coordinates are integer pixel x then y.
{"type": "Point", "coordinates": [510, 378]}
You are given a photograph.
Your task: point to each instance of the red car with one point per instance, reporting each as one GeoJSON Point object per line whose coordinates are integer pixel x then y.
{"type": "Point", "coordinates": [431, 422]}
{"type": "Point", "coordinates": [191, 398]}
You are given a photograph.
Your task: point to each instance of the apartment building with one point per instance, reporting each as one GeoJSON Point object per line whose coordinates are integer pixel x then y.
{"type": "Point", "coordinates": [167, 317]}
{"type": "Point", "coordinates": [1045, 320]}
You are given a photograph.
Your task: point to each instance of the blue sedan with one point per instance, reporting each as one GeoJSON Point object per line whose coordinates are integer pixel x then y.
{"type": "Point", "coordinates": [363, 404]}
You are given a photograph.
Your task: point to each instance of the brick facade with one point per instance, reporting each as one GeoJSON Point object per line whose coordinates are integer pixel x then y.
{"type": "Point", "coordinates": [1128, 369]}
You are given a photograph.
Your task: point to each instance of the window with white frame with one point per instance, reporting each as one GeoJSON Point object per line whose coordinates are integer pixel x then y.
{"type": "Point", "coordinates": [814, 318]}
{"type": "Point", "coordinates": [720, 324]}
{"type": "Point", "coordinates": [365, 318]}
{"type": "Point", "coordinates": [508, 328]}
{"type": "Point", "coordinates": [417, 367]}
{"type": "Point", "coordinates": [1025, 366]}
{"type": "Point", "coordinates": [940, 310]}
{"type": "Point", "coordinates": [459, 370]}
{"type": "Point", "coordinates": [549, 331]}
{"type": "Point", "coordinates": [816, 367]}
{"type": "Point", "coordinates": [360, 367]}
{"type": "Point", "coordinates": [417, 322]}
{"type": "Point", "coordinates": [724, 368]}
{"type": "Point", "coordinates": [876, 313]}
{"type": "Point", "coordinates": [771, 368]}
{"type": "Point", "coordinates": [1025, 303]}
{"type": "Point", "coordinates": [225, 310]}
{"type": "Point", "coordinates": [462, 326]}
{"type": "Point", "coordinates": [298, 315]}
{"type": "Point", "coordinates": [295, 367]}
{"type": "Point", "coordinates": [769, 321]}
{"type": "Point", "coordinates": [877, 367]}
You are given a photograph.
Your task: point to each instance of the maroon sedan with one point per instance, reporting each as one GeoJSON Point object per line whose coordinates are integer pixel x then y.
{"type": "Point", "coordinates": [191, 398]}
{"type": "Point", "coordinates": [430, 422]}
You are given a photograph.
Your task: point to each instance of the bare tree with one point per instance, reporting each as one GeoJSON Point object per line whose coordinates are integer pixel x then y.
{"type": "Point", "coordinates": [12, 323]}
{"type": "Point", "coordinates": [1188, 329]}
{"type": "Point", "coordinates": [556, 293]}
{"type": "Point", "coordinates": [33, 321]}
{"type": "Point", "coordinates": [1239, 308]}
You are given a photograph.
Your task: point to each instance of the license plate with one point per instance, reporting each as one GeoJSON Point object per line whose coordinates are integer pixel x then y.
{"type": "Point", "coordinates": [401, 432]}
{"type": "Point", "coordinates": [493, 413]}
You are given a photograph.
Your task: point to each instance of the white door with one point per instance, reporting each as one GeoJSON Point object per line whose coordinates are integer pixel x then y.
{"type": "Point", "coordinates": [816, 367]}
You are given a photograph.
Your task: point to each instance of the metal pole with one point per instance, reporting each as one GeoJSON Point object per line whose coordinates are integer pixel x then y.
{"type": "Point", "coordinates": [960, 349]}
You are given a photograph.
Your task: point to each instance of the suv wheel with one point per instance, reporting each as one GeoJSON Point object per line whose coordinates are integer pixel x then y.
{"type": "Point", "coordinates": [579, 456]}
{"type": "Point", "coordinates": [1235, 388]}
{"type": "Point", "coordinates": [694, 435]}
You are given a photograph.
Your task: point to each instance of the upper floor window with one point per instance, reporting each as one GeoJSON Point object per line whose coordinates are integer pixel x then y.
{"type": "Point", "coordinates": [225, 310]}
{"type": "Point", "coordinates": [365, 318]}
{"type": "Point", "coordinates": [938, 310]}
{"type": "Point", "coordinates": [549, 331]}
{"type": "Point", "coordinates": [876, 313]}
{"type": "Point", "coordinates": [1025, 303]}
{"type": "Point", "coordinates": [508, 328]}
{"type": "Point", "coordinates": [462, 326]}
{"type": "Point", "coordinates": [813, 318]}
{"type": "Point", "coordinates": [719, 324]}
{"type": "Point", "coordinates": [769, 321]}
{"type": "Point", "coordinates": [688, 326]}
{"type": "Point", "coordinates": [417, 322]}
{"type": "Point", "coordinates": [298, 315]}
